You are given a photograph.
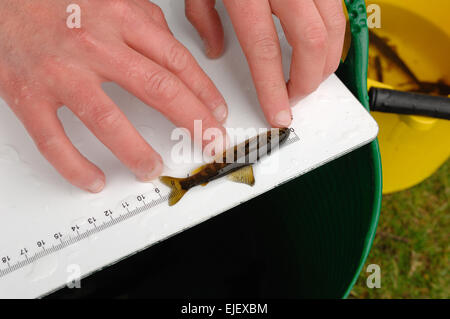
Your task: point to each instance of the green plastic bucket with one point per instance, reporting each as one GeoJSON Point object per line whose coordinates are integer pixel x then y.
{"type": "Point", "coordinates": [308, 238]}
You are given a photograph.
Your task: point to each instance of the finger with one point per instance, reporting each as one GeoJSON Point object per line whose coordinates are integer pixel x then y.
{"type": "Point", "coordinates": [162, 90]}
{"type": "Point", "coordinates": [204, 17]}
{"type": "Point", "coordinates": [165, 50]}
{"type": "Point", "coordinates": [48, 134]}
{"type": "Point", "coordinates": [306, 33]}
{"type": "Point", "coordinates": [262, 48]}
{"type": "Point", "coordinates": [107, 122]}
{"type": "Point", "coordinates": [332, 13]}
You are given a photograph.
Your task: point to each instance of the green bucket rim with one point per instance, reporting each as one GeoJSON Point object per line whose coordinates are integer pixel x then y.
{"type": "Point", "coordinates": [353, 72]}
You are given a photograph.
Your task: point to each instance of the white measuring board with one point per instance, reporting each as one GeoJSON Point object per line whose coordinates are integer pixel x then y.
{"type": "Point", "coordinates": [50, 229]}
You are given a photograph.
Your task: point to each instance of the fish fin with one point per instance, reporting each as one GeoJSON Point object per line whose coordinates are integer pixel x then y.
{"type": "Point", "coordinates": [243, 175]}
{"type": "Point", "coordinates": [177, 191]}
{"type": "Point", "coordinates": [198, 170]}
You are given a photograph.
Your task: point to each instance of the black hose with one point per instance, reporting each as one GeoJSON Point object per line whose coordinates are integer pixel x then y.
{"type": "Point", "coordinates": [391, 101]}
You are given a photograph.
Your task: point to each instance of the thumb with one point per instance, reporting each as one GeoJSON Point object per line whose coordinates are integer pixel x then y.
{"type": "Point", "coordinates": [205, 19]}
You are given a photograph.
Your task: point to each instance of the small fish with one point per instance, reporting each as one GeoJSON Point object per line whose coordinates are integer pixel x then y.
{"type": "Point", "coordinates": [439, 88]}
{"type": "Point", "coordinates": [236, 163]}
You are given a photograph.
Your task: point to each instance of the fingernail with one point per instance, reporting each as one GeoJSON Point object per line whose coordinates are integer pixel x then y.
{"type": "Point", "coordinates": [146, 175]}
{"type": "Point", "coordinates": [97, 186]}
{"type": "Point", "coordinates": [283, 118]}
{"type": "Point", "coordinates": [220, 113]}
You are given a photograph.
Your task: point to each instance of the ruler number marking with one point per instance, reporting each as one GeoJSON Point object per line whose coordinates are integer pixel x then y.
{"type": "Point", "coordinates": [67, 240]}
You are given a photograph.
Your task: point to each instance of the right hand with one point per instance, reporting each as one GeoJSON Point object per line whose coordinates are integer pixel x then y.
{"type": "Point", "coordinates": [44, 65]}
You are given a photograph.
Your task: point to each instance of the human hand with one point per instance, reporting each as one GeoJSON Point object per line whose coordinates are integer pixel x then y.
{"type": "Point", "coordinates": [314, 28]}
{"type": "Point", "coordinates": [44, 65]}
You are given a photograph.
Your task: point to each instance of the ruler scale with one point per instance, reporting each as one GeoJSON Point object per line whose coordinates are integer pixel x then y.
{"type": "Point", "coordinates": [72, 240]}
{"type": "Point", "coordinates": [13, 265]}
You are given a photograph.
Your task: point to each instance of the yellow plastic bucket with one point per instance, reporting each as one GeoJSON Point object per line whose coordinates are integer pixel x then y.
{"type": "Point", "coordinates": [412, 147]}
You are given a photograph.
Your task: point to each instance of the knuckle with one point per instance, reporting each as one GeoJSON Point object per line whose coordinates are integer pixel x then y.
{"type": "Point", "coordinates": [130, 63]}
{"type": "Point", "coordinates": [273, 86]}
{"type": "Point", "coordinates": [157, 12]}
{"type": "Point", "coordinates": [266, 48]}
{"type": "Point", "coordinates": [316, 37]}
{"type": "Point", "coordinates": [304, 88]}
{"type": "Point", "coordinates": [47, 144]}
{"type": "Point", "coordinates": [84, 38]}
{"type": "Point", "coordinates": [11, 84]}
{"type": "Point", "coordinates": [120, 6]}
{"type": "Point", "coordinates": [52, 69]}
{"type": "Point", "coordinates": [163, 86]}
{"type": "Point", "coordinates": [104, 118]}
{"type": "Point", "coordinates": [51, 65]}
{"type": "Point", "coordinates": [177, 58]}
{"type": "Point", "coordinates": [122, 9]}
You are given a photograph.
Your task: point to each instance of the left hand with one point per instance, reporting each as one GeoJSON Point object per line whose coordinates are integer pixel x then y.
{"type": "Point", "coordinates": [314, 28]}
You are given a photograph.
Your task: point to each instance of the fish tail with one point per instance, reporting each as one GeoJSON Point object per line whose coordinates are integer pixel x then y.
{"type": "Point", "coordinates": [177, 190]}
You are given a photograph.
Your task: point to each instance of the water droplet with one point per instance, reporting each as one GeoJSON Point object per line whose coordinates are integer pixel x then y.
{"type": "Point", "coordinates": [151, 238]}
{"type": "Point", "coordinates": [43, 268]}
{"type": "Point", "coordinates": [9, 153]}
{"type": "Point", "coordinates": [98, 202]}
{"type": "Point", "coordinates": [73, 255]}
{"type": "Point", "coordinates": [36, 181]}
{"type": "Point", "coordinates": [321, 133]}
{"type": "Point", "coordinates": [191, 219]}
{"type": "Point", "coordinates": [93, 238]}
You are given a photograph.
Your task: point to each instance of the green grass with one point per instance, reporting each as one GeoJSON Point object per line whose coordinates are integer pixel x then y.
{"type": "Point", "coordinates": [412, 243]}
